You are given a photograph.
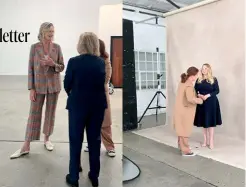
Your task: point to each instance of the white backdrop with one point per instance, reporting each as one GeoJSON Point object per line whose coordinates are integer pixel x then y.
{"type": "Point", "coordinates": [211, 34]}
{"type": "Point", "coordinates": [70, 19]}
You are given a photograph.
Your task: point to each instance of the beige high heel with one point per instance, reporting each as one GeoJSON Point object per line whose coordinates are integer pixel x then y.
{"type": "Point", "coordinates": [210, 147]}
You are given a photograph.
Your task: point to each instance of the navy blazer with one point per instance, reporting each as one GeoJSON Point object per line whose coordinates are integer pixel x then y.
{"type": "Point", "coordinates": [85, 83]}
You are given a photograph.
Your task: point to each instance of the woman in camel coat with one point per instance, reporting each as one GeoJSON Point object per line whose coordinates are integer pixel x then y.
{"type": "Point", "coordinates": [185, 108]}
{"type": "Point", "coordinates": [106, 131]}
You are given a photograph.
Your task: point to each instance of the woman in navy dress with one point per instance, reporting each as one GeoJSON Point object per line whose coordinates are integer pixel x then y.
{"type": "Point", "coordinates": [208, 114]}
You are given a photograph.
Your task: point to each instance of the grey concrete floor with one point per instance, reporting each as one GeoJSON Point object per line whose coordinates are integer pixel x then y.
{"type": "Point", "coordinates": [156, 174]}
{"type": "Point", "coordinates": [162, 165]}
{"type": "Point", "coordinates": [48, 169]}
{"type": "Point", "coordinates": [152, 121]}
{"type": "Point", "coordinates": [42, 168]}
{"type": "Point", "coordinates": [15, 109]}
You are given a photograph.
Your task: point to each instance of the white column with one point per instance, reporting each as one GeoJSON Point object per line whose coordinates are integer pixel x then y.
{"type": "Point", "coordinates": [110, 23]}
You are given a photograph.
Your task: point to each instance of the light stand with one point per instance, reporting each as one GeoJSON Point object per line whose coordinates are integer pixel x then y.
{"type": "Point", "coordinates": [157, 94]}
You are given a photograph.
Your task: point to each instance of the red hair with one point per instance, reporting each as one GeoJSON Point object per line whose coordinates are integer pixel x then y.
{"type": "Point", "coordinates": [191, 71]}
{"type": "Point", "coordinates": [102, 49]}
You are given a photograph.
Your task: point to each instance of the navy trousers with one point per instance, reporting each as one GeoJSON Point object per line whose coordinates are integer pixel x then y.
{"type": "Point", "coordinates": [91, 120]}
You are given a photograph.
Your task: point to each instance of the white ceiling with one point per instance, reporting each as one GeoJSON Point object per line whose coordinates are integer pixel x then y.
{"type": "Point", "coordinates": [159, 5]}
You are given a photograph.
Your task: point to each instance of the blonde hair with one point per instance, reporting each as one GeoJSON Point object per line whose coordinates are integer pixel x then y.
{"type": "Point", "coordinates": [88, 44]}
{"type": "Point", "coordinates": [209, 77]}
{"type": "Point", "coordinates": [44, 26]}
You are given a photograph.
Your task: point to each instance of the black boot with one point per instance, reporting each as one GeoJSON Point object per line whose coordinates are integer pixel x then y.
{"type": "Point", "coordinates": [94, 181]}
{"type": "Point", "coordinates": [70, 182]}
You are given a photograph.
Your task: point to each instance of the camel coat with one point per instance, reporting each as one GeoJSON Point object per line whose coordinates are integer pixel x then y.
{"type": "Point", "coordinates": [106, 131]}
{"type": "Point", "coordinates": [184, 109]}
{"type": "Point", "coordinates": [107, 115]}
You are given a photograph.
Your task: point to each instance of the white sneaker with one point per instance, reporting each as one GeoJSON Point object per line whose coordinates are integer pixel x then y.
{"type": "Point", "coordinates": [111, 153]}
{"type": "Point", "coordinates": [18, 154]}
{"type": "Point", "coordinates": [188, 154]}
{"type": "Point", "coordinates": [49, 146]}
{"type": "Point", "coordinates": [180, 148]}
{"type": "Point", "coordinates": [86, 149]}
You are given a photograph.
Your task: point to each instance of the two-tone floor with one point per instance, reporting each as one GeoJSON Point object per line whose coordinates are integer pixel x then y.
{"type": "Point", "coordinates": [153, 148]}
{"type": "Point", "coordinates": [42, 168]}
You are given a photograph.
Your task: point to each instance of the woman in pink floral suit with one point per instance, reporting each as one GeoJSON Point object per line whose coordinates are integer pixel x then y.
{"type": "Point", "coordinates": [45, 64]}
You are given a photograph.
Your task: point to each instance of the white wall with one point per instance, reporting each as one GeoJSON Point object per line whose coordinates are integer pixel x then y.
{"type": "Point", "coordinates": [69, 19]}
{"type": "Point", "coordinates": [147, 38]}
{"type": "Point", "coordinates": [110, 27]}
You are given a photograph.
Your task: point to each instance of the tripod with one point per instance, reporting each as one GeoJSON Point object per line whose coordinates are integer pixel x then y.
{"type": "Point", "coordinates": [157, 94]}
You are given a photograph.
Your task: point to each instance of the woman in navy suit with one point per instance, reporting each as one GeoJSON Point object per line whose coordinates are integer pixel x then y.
{"type": "Point", "coordinates": [85, 85]}
{"type": "Point", "coordinates": [208, 114]}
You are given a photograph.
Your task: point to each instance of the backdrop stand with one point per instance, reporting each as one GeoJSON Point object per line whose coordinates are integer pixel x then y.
{"type": "Point", "coordinates": [130, 170]}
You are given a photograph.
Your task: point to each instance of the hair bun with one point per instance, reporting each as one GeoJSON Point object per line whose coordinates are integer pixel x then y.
{"type": "Point", "coordinates": [183, 75]}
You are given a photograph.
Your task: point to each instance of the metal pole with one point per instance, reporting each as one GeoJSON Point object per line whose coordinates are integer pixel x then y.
{"type": "Point", "coordinates": [174, 4]}
{"type": "Point", "coordinates": [148, 19]}
{"type": "Point", "coordinates": [152, 24]}
{"type": "Point", "coordinates": [158, 67]}
{"type": "Point", "coordinates": [159, 82]}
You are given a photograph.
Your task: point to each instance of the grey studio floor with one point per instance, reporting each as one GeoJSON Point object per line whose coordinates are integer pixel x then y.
{"type": "Point", "coordinates": [162, 165]}
{"type": "Point", "coordinates": [42, 168]}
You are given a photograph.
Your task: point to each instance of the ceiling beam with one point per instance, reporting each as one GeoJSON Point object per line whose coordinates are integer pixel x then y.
{"type": "Point", "coordinates": [187, 8]}
{"type": "Point", "coordinates": [145, 13]}
{"type": "Point", "coordinates": [174, 4]}
{"type": "Point", "coordinates": [144, 7]}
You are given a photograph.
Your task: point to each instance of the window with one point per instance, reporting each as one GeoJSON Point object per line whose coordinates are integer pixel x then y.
{"type": "Point", "coordinates": [146, 69]}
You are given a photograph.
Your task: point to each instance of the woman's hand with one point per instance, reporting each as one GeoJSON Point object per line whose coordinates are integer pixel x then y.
{"type": "Point", "coordinates": [50, 62]}
{"type": "Point", "coordinates": [201, 96]}
{"type": "Point", "coordinates": [206, 97]}
{"type": "Point", "coordinates": [33, 95]}
{"type": "Point", "coordinates": [43, 62]}
{"type": "Point", "coordinates": [47, 62]}
{"type": "Point", "coordinates": [199, 101]}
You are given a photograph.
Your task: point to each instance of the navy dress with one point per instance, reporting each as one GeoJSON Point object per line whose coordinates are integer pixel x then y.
{"type": "Point", "coordinates": [208, 114]}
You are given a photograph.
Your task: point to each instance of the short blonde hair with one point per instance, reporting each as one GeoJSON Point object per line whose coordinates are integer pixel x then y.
{"type": "Point", "coordinates": [44, 26]}
{"type": "Point", "coordinates": [88, 44]}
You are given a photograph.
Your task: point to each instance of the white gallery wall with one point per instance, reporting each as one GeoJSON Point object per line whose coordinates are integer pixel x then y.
{"type": "Point", "coordinates": [147, 38]}
{"type": "Point", "coordinates": [110, 27]}
{"type": "Point", "coordinates": [69, 19]}
{"type": "Point", "coordinates": [214, 34]}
